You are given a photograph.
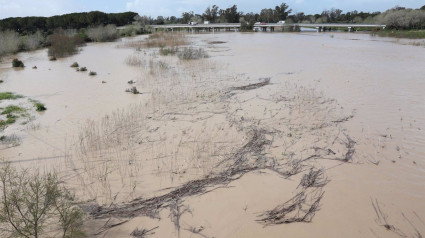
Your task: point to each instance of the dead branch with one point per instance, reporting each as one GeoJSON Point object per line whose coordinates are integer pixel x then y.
{"type": "Point", "coordinates": [382, 219]}
{"type": "Point", "coordinates": [265, 81]}
{"type": "Point", "coordinates": [143, 233]}
{"type": "Point", "coordinates": [315, 178]}
{"type": "Point", "coordinates": [300, 208]}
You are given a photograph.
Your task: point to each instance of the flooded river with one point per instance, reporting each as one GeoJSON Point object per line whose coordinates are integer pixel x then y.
{"type": "Point", "coordinates": [376, 84]}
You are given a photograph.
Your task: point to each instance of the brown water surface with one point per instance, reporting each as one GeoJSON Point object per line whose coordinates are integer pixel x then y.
{"type": "Point", "coordinates": [184, 127]}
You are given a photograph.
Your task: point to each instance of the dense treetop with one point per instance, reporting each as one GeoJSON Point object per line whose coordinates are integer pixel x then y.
{"type": "Point", "coordinates": [67, 21]}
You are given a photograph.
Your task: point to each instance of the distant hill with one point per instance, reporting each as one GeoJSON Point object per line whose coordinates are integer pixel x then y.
{"type": "Point", "coordinates": [67, 21]}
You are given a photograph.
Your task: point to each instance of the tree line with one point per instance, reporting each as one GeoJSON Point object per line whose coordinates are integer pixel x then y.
{"type": "Point", "coordinates": [27, 25]}
{"type": "Point", "coordinates": [395, 18]}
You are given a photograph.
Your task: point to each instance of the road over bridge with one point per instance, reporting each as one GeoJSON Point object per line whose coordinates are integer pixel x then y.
{"type": "Point", "coordinates": [260, 26]}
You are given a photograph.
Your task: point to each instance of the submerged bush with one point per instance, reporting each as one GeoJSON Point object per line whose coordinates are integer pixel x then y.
{"type": "Point", "coordinates": [192, 54]}
{"type": "Point", "coordinates": [102, 33]}
{"type": "Point", "coordinates": [32, 41]}
{"type": "Point", "coordinates": [39, 107]}
{"type": "Point", "coordinates": [74, 65]}
{"type": "Point", "coordinates": [132, 90]}
{"type": "Point", "coordinates": [165, 40]}
{"type": "Point", "coordinates": [131, 30]}
{"type": "Point", "coordinates": [17, 63]}
{"type": "Point", "coordinates": [168, 51]}
{"type": "Point", "coordinates": [82, 69]}
{"type": "Point", "coordinates": [63, 44]}
{"type": "Point", "coordinates": [92, 73]}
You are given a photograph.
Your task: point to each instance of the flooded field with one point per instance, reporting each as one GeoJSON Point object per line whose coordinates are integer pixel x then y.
{"type": "Point", "coordinates": [271, 135]}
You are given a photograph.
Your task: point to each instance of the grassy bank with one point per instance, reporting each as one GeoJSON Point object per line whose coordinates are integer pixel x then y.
{"type": "Point", "coordinates": [409, 34]}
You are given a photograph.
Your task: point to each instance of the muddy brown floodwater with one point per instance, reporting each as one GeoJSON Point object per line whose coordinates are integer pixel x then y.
{"type": "Point", "coordinates": [273, 135]}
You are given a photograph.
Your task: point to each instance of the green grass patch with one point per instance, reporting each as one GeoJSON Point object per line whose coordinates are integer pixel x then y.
{"type": "Point", "coordinates": [12, 109]}
{"type": "Point", "coordinates": [11, 112]}
{"type": "Point", "coordinates": [9, 96]}
{"type": "Point", "coordinates": [412, 34]}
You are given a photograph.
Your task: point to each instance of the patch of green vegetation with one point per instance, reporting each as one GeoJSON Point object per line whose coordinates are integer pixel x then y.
{"type": "Point", "coordinates": [92, 73]}
{"type": "Point", "coordinates": [83, 69]}
{"type": "Point", "coordinates": [10, 112]}
{"type": "Point", "coordinates": [1, 81]}
{"type": "Point", "coordinates": [39, 107]}
{"type": "Point", "coordinates": [412, 34]}
{"type": "Point", "coordinates": [9, 120]}
{"type": "Point", "coordinates": [9, 96]}
{"type": "Point", "coordinates": [74, 65]}
{"type": "Point", "coordinates": [12, 109]}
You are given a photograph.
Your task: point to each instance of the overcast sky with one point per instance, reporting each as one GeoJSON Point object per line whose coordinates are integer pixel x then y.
{"type": "Point", "coordinates": [154, 8]}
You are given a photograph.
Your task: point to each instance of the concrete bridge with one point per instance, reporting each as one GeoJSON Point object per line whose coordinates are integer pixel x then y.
{"type": "Point", "coordinates": [214, 27]}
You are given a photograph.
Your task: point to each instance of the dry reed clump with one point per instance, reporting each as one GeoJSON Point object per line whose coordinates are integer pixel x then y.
{"type": "Point", "coordinates": [64, 44]}
{"type": "Point", "coordinates": [103, 33]}
{"type": "Point", "coordinates": [134, 60]}
{"type": "Point", "coordinates": [9, 42]}
{"type": "Point", "coordinates": [192, 54]}
{"type": "Point", "coordinates": [159, 40]}
{"type": "Point", "coordinates": [166, 40]}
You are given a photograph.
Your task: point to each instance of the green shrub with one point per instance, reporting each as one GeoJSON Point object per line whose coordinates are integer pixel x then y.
{"type": "Point", "coordinates": [92, 73]}
{"type": "Point", "coordinates": [74, 65]}
{"type": "Point", "coordinates": [83, 69]}
{"type": "Point", "coordinates": [11, 109]}
{"type": "Point", "coordinates": [40, 107]}
{"type": "Point", "coordinates": [17, 63]}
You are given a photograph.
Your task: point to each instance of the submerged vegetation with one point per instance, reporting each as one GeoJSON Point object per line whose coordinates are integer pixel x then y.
{"type": "Point", "coordinates": [132, 90]}
{"type": "Point", "coordinates": [12, 112]}
{"type": "Point", "coordinates": [9, 96]}
{"type": "Point", "coordinates": [409, 34]}
{"type": "Point", "coordinates": [64, 43]}
{"type": "Point", "coordinates": [102, 33]}
{"type": "Point", "coordinates": [192, 54]}
{"type": "Point", "coordinates": [16, 63]}
{"type": "Point", "coordinates": [11, 42]}
{"type": "Point", "coordinates": [162, 40]}
{"type": "Point", "coordinates": [165, 51]}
